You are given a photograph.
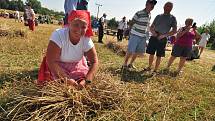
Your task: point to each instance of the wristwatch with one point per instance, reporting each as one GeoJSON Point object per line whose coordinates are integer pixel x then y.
{"type": "Point", "coordinates": [88, 81]}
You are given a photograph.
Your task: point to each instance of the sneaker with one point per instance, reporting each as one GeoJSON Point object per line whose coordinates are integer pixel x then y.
{"type": "Point", "coordinates": [177, 73]}
{"type": "Point", "coordinates": [124, 67]}
{"type": "Point", "coordinates": [147, 69]}
{"type": "Point", "coordinates": [154, 73]}
{"type": "Point", "coordinates": [131, 66]}
{"type": "Point", "coordinates": [198, 57]}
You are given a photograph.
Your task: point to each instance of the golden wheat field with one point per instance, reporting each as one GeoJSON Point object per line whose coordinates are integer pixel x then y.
{"type": "Point", "coordinates": [113, 95]}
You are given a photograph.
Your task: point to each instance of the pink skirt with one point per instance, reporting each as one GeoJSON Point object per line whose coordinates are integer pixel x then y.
{"type": "Point", "coordinates": [75, 70]}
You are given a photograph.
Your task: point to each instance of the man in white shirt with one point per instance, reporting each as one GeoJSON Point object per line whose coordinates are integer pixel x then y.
{"type": "Point", "coordinates": [121, 27]}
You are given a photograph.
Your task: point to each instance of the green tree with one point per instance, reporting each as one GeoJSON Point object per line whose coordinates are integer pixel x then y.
{"type": "Point", "coordinates": [92, 17]}
{"type": "Point", "coordinates": [112, 23]}
{"type": "Point", "coordinates": [4, 4]}
{"type": "Point", "coordinates": [12, 4]}
{"type": "Point", "coordinates": [211, 27]}
{"type": "Point", "coordinates": [20, 5]}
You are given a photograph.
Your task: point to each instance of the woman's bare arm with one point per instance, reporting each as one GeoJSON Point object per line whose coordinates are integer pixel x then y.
{"type": "Point", "coordinates": [53, 56]}
{"type": "Point", "coordinates": [93, 60]}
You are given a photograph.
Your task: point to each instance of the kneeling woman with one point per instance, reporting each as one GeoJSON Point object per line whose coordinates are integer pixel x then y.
{"type": "Point", "coordinates": [66, 53]}
{"type": "Point", "coordinates": [183, 46]}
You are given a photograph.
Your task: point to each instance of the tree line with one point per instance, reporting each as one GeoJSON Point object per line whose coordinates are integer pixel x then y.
{"type": "Point", "coordinates": [35, 4]}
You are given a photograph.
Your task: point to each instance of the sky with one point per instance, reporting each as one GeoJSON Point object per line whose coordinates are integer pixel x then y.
{"type": "Point", "coordinates": [202, 11]}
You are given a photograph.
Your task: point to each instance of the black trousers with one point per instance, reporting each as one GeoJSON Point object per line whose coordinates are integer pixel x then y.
{"type": "Point", "coordinates": [119, 34]}
{"type": "Point", "coordinates": [101, 34]}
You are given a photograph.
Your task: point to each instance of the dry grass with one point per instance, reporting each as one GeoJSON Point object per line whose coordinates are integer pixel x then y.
{"type": "Point", "coordinates": [8, 31]}
{"type": "Point", "coordinates": [57, 101]}
{"type": "Point", "coordinates": [213, 68]}
{"type": "Point", "coordinates": [138, 96]}
{"type": "Point", "coordinates": [117, 47]}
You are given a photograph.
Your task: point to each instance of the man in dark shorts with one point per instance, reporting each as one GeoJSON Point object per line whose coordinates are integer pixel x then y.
{"type": "Point", "coordinates": [160, 30]}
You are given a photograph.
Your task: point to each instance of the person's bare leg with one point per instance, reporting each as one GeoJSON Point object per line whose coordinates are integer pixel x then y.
{"type": "Point", "coordinates": [171, 60]}
{"type": "Point", "coordinates": [151, 59]}
{"type": "Point", "coordinates": [201, 50]}
{"type": "Point", "coordinates": [181, 63]}
{"type": "Point", "coordinates": [127, 56]}
{"type": "Point", "coordinates": [157, 64]}
{"type": "Point", "coordinates": [133, 58]}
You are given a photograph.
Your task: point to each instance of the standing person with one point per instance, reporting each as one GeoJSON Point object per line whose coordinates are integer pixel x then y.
{"type": "Point", "coordinates": [70, 5]}
{"type": "Point", "coordinates": [17, 16]}
{"type": "Point", "coordinates": [21, 19]}
{"type": "Point", "coordinates": [183, 46]}
{"type": "Point", "coordinates": [82, 4]}
{"type": "Point", "coordinates": [137, 39]}
{"type": "Point", "coordinates": [203, 42]}
{"type": "Point", "coordinates": [102, 21]}
{"type": "Point", "coordinates": [121, 28]}
{"type": "Point", "coordinates": [160, 30]}
{"type": "Point", "coordinates": [25, 16]}
{"type": "Point", "coordinates": [95, 25]}
{"type": "Point", "coordinates": [30, 17]}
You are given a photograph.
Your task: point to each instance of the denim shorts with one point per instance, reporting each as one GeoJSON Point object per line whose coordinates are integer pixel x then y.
{"type": "Point", "coordinates": [136, 44]}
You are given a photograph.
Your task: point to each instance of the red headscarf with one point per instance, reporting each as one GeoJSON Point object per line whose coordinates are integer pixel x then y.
{"type": "Point", "coordinates": [83, 15]}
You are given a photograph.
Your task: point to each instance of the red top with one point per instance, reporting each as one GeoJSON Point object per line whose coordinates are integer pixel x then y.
{"type": "Point", "coordinates": [186, 40]}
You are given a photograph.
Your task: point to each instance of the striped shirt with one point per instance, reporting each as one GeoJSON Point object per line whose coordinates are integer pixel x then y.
{"type": "Point", "coordinates": [141, 23]}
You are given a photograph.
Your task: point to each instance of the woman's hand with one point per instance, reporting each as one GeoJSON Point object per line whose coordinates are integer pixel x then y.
{"type": "Point", "coordinates": [89, 76]}
{"type": "Point", "coordinates": [72, 82]}
{"type": "Point", "coordinates": [93, 60]}
{"type": "Point", "coordinates": [82, 84]}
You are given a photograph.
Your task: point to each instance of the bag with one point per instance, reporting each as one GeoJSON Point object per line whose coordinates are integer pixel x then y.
{"type": "Point", "coordinates": [194, 54]}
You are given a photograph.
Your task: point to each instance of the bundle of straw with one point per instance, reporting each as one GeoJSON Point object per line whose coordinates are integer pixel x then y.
{"type": "Point", "coordinates": [117, 47]}
{"type": "Point", "coordinates": [12, 32]}
{"type": "Point", "coordinates": [58, 101]}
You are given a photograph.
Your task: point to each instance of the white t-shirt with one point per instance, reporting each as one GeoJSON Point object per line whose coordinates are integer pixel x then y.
{"type": "Point", "coordinates": [103, 20]}
{"type": "Point", "coordinates": [204, 39]}
{"type": "Point", "coordinates": [17, 14]}
{"type": "Point", "coordinates": [122, 25]}
{"type": "Point", "coordinates": [70, 52]}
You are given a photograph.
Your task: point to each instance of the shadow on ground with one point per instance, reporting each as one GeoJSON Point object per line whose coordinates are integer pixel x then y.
{"type": "Point", "coordinates": [16, 76]}
{"type": "Point", "coordinates": [213, 68]}
{"type": "Point", "coordinates": [129, 75]}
